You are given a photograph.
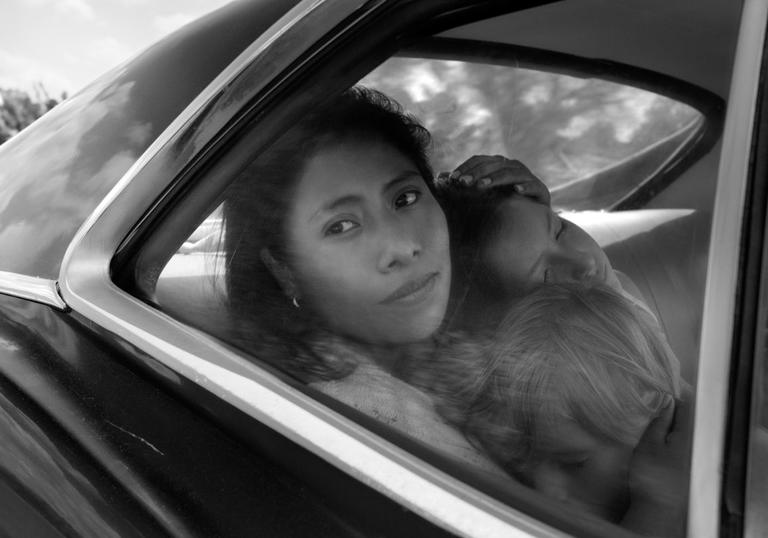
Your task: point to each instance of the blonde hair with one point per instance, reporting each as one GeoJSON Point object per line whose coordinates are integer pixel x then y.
{"type": "Point", "coordinates": [565, 351]}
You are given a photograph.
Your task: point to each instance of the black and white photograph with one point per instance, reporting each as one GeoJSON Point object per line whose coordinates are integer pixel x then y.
{"type": "Point", "coordinates": [386, 268]}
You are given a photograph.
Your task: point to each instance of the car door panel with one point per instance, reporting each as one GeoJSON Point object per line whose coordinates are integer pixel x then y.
{"type": "Point", "coordinates": [148, 435]}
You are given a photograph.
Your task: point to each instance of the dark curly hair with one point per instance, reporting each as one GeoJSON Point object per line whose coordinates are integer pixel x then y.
{"type": "Point", "coordinates": [264, 323]}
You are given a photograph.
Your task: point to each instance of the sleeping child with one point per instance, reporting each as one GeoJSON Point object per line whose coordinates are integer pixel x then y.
{"type": "Point", "coordinates": [562, 393]}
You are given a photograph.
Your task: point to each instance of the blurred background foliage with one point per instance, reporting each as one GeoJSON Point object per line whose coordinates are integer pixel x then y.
{"type": "Point", "coordinates": [19, 108]}
{"type": "Point", "coordinates": [562, 127]}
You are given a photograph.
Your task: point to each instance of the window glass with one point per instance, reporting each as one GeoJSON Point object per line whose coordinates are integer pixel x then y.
{"type": "Point", "coordinates": [434, 251]}
{"type": "Point", "coordinates": [566, 129]}
{"type": "Point", "coordinates": [192, 283]}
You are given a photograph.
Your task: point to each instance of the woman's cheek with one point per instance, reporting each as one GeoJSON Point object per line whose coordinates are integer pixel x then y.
{"type": "Point", "coordinates": [336, 276]}
{"type": "Point", "coordinates": [327, 270]}
{"type": "Point", "coordinates": [435, 226]}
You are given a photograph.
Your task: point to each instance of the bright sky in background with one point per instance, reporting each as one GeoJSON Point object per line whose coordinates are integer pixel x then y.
{"type": "Point", "coordinates": [64, 44]}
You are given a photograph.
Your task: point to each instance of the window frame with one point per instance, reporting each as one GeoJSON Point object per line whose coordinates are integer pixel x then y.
{"type": "Point", "coordinates": [745, 487]}
{"type": "Point", "coordinates": [729, 243]}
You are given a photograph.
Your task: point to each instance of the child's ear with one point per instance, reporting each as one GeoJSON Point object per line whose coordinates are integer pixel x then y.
{"type": "Point", "coordinates": [281, 272]}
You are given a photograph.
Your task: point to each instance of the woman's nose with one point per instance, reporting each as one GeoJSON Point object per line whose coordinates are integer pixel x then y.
{"type": "Point", "coordinates": [398, 250]}
{"type": "Point", "coordinates": [571, 265]}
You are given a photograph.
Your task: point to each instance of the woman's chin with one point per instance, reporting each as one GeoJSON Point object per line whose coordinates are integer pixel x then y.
{"type": "Point", "coordinates": [392, 324]}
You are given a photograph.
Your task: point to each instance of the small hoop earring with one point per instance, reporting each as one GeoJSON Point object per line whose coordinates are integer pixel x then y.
{"type": "Point", "coordinates": [295, 302]}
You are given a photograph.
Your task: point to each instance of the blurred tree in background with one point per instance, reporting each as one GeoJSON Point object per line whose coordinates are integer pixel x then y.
{"type": "Point", "coordinates": [562, 127]}
{"type": "Point", "coordinates": [18, 109]}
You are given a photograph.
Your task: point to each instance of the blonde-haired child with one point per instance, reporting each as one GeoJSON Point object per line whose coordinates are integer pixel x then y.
{"type": "Point", "coordinates": [562, 393]}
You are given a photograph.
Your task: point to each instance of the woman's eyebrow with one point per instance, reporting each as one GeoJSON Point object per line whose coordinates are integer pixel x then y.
{"type": "Point", "coordinates": [344, 200]}
{"type": "Point", "coordinates": [335, 204]}
{"type": "Point", "coordinates": [399, 178]}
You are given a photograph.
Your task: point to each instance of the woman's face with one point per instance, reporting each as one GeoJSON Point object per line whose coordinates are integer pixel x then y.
{"type": "Point", "coordinates": [531, 244]}
{"type": "Point", "coordinates": [368, 244]}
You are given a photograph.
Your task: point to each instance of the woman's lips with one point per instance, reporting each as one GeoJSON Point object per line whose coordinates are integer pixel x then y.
{"type": "Point", "coordinates": [414, 290]}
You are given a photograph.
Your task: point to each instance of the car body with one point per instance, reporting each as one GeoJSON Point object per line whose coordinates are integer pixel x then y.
{"type": "Point", "coordinates": [122, 417]}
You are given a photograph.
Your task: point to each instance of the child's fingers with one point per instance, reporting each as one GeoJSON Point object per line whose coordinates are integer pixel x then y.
{"type": "Point", "coordinates": [463, 173]}
{"type": "Point", "coordinates": [657, 431]}
{"type": "Point", "coordinates": [442, 180]}
{"type": "Point", "coordinates": [658, 474]}
{"type": "Point", "coordinates": [485, 172]}
{"type": "Point", "coordinates": [684, 411]}
{"type": "Point", "coordinates": [681, 422]}
{"type": "Point", "coordinates": [531, 188]}
{"type": "Point", "coordinates": [479, 167]}
{"type": "Point", "coordinates": [470, 166]}
{"type": "Point", "coordinates": [492, 165]}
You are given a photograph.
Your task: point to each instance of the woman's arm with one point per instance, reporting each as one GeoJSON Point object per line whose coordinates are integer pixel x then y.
{"type": "Point", "coordinates": [493, 173]}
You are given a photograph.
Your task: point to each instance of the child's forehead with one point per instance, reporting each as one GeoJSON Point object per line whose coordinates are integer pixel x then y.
{"type": "Point", "coordinates": [560, 433]}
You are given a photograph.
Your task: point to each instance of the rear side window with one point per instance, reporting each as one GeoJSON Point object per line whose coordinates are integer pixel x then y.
{"type": "Point", "coordinates": [576, 133]}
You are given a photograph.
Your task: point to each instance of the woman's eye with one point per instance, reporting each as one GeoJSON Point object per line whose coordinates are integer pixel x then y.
{"type": "Point", "coordinates": [404, 199]}
{"type": "Point", "coordinates": [340, 227]}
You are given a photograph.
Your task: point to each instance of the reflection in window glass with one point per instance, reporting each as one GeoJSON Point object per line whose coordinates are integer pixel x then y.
{"type": "Point", "coordinates": [563, 128]}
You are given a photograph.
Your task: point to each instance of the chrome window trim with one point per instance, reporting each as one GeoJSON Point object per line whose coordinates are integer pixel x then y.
{"type": "Point", "coordinates": [722, 277]}
{"type": "Point", "coordinates": [39, 290]}
{"type": "Point", "coordinates": [86, 286]}
{"type": "Point", "coordinates": [755, 515]}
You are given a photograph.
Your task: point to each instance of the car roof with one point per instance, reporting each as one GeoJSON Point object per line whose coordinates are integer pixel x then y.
{"type": "Point", "coordinates": [691, 41]}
